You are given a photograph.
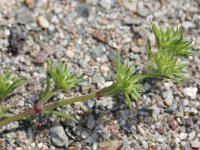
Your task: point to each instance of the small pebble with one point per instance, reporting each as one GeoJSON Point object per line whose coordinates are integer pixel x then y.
{"type": "Point", "coordinates": [91, 122]}
{"type": "Point", "coordinates": [43, 22]}
{"type": "Point", "coordinates": [100, 36]}
{"type": "Point", "coordinates": [40, 145]}
{"type": "Point", "coordinates": [183, 136]}
{"type": "Point", "coordinates": [168, 102]}
{"type": "Point", "coordinates": [107, 3]}
{"type": "Point", "coordinates": [191, 92]}
{"type": "Point", "coordinates": [195, 143]}
{"type": "Point", "coordinates": [41, 57]}
{"type": "Point", "coordinates": [58, 136]}
{"type": "Point", "coordinates": [30, 3]}
{"type": "Point", "coordinates": [70, 53]}
{"type": "Point", "coordinates": [173, 124]}
{"type": "Point", "coordinates": [192, 135]}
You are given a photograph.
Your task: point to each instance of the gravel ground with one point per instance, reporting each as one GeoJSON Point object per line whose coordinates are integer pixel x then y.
{"type": "Point", "coordinates": [86, 35]}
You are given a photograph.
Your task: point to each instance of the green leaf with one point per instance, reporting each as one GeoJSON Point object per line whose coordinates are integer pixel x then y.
{"type": "Point", "coordinates": [128, 100]}
{"type": "Point", "coordinates": [62, 77]}
{"type": "Point", "coordinates": [127, 82]}
{"type": "Point", "coordinates": [8, 83]}
{"type": "Point", "coordinates": [4, 113]}
{"type": "Point", "coordinates": [62, 114]}
{"type": "Point", "coordinates": [47, 86]}
{"type": "Point", "coordinates": [171, 45]}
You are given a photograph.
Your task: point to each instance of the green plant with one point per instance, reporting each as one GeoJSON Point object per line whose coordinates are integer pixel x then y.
{"type": "Point", "coordinates": [8, 83]}
{"type": "Point", "coordinates": [161, 64]}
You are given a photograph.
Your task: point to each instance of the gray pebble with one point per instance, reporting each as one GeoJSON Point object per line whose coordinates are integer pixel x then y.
{"type": "Point", "coordinates": [90, 103]}
{"type": "Point", "coordinates": [58, 136]}
{"type": "Point", "coordinates": [147, 86]}
{"type": "Point", "coordinates": [192, 135]}
{"type": "Point", "coordinates": [59, 52]}
{"type": "Point", "coordinates": [133, 21]}
{"type": "Point", "coordinates": [98, 51]}
{"type": "Point", "coordinates": [24, 16]}
{"type": "Point", "coordinates": [187, 25]}
{"type": "Point", "coordinates": [172, 108]}
{"type": "Point", "coordinates": [143, 11]}
{"type": "Point", "coordinates": [91, 139]}
{"type": "Point", "coordinates": [167, 94]}
{"type": "Point", "coordinates": [83, 10]}
{"type": "Point", "coordinates": [197, 22]}
{"type": "Point", "coordinates": [187, 146]}
{"type": "Point", "coordinates": [107, 3]}
{"type": "Point", "coordinates": [97, 78]}
{"type": "Point", "coordinates": [91, 122]}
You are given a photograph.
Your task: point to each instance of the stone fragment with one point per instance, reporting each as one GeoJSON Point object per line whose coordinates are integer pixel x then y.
{"type": "Point", "coordinates": [110, 145]}
{"type": "Point", "coordinates": [24, 16]}
{"type": "Point", "coordinates": [30, 3]}
{"type": "Point", "coordinates": [108, 4]}
{"type": "Point", "coordinates": [58, 136]}
{"type": "Point", "coordinates": [70, 53]}
{"type": "Point", "coordinates": [168, 102]}
{"type": "Point", "coordinates": [183, 136]}
{"type": "Point", "coordinates": [173, 124]}
{"type": "Point", "coordinates": [191, 92]}
{"type": "Point", "coordinates": [41, 57]}
{"type": "Point", "coordinates": [195, 143]}
{"type": "Point", "coordinates": [91, 122]}
{"type": "Point", "coordinates": [83, 10]}
{"type": "Point", "coordinates": [43, 22]}
{"type": "Point", "coordinates": [100, 36]}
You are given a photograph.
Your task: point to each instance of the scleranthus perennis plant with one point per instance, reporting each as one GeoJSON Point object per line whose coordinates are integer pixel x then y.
{"type": "Point", "coordinates": [161, 64]}
{"type": "Point", "coordinates": [8, 83]}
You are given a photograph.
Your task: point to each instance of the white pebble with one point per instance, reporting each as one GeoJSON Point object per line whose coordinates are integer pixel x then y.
{"type": "Point", "coordinates": [191, 92]}
{"type": "Point", "coordinates": [43, 22]}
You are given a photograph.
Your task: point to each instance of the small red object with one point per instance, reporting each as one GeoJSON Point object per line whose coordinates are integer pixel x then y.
{"type": "Point", "coordinates": [38, 108]}
{"type": "Point", "coordinates": [98, 94]}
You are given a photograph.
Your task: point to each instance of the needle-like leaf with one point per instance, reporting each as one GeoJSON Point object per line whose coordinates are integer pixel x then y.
{"type": "Point", "coordinates": [62, 77]}
{"type": "Point", "coordinates": [62, 114]}
{"type": "Point", "coordinates": [171, 45]}
{"type": "Point", "coordinates": [127, 81]}
{"type": "Point", "coordinates": [8, 83]}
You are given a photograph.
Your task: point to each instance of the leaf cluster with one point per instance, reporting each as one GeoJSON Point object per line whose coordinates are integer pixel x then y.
{"type": "Point", "coordinates": [8, 83]}
{"type": "Point", "coordinates": [63, 80]}
{"type": "Point", "coordinates": [171, 45]}
{"type": "Point", "coordinates": [62, 77]}
{"type": "Point", "coordinates": [127, 81]}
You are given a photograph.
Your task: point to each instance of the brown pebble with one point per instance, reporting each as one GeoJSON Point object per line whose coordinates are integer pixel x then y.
{"type": "Point", "coordinates": [100, 36]}
{"type": "Point", "coordinates": [41, 57]}
{"type": "Point", "coordinates": [168, 102]}
{"type": "Point", "coordinates": [141, 42]}
{"type": "Point", "coordinates": [195, 143]}
{"type": "Point", "coordinates": [161, 130]}
{"type": "Point", "coordinates": [173, 124]}
{"type": "Point", "coordinates": [135, 49]}
{"type": "Point", "coordinates": [159, 101]}
{"type": "Point", "coordinates": [30, 3]}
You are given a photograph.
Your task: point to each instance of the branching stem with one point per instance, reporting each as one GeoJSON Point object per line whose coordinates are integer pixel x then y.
{"type": "Point", "coordinates": [51, 106]}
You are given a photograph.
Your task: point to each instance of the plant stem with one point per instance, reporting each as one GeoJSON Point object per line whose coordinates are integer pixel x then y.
{"type": "Point", "coordinates": [53, 105]}
{"type": "Point", "coordinates": [17, 117]}
{"type": "Point", "coordinates": [47, 96]}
